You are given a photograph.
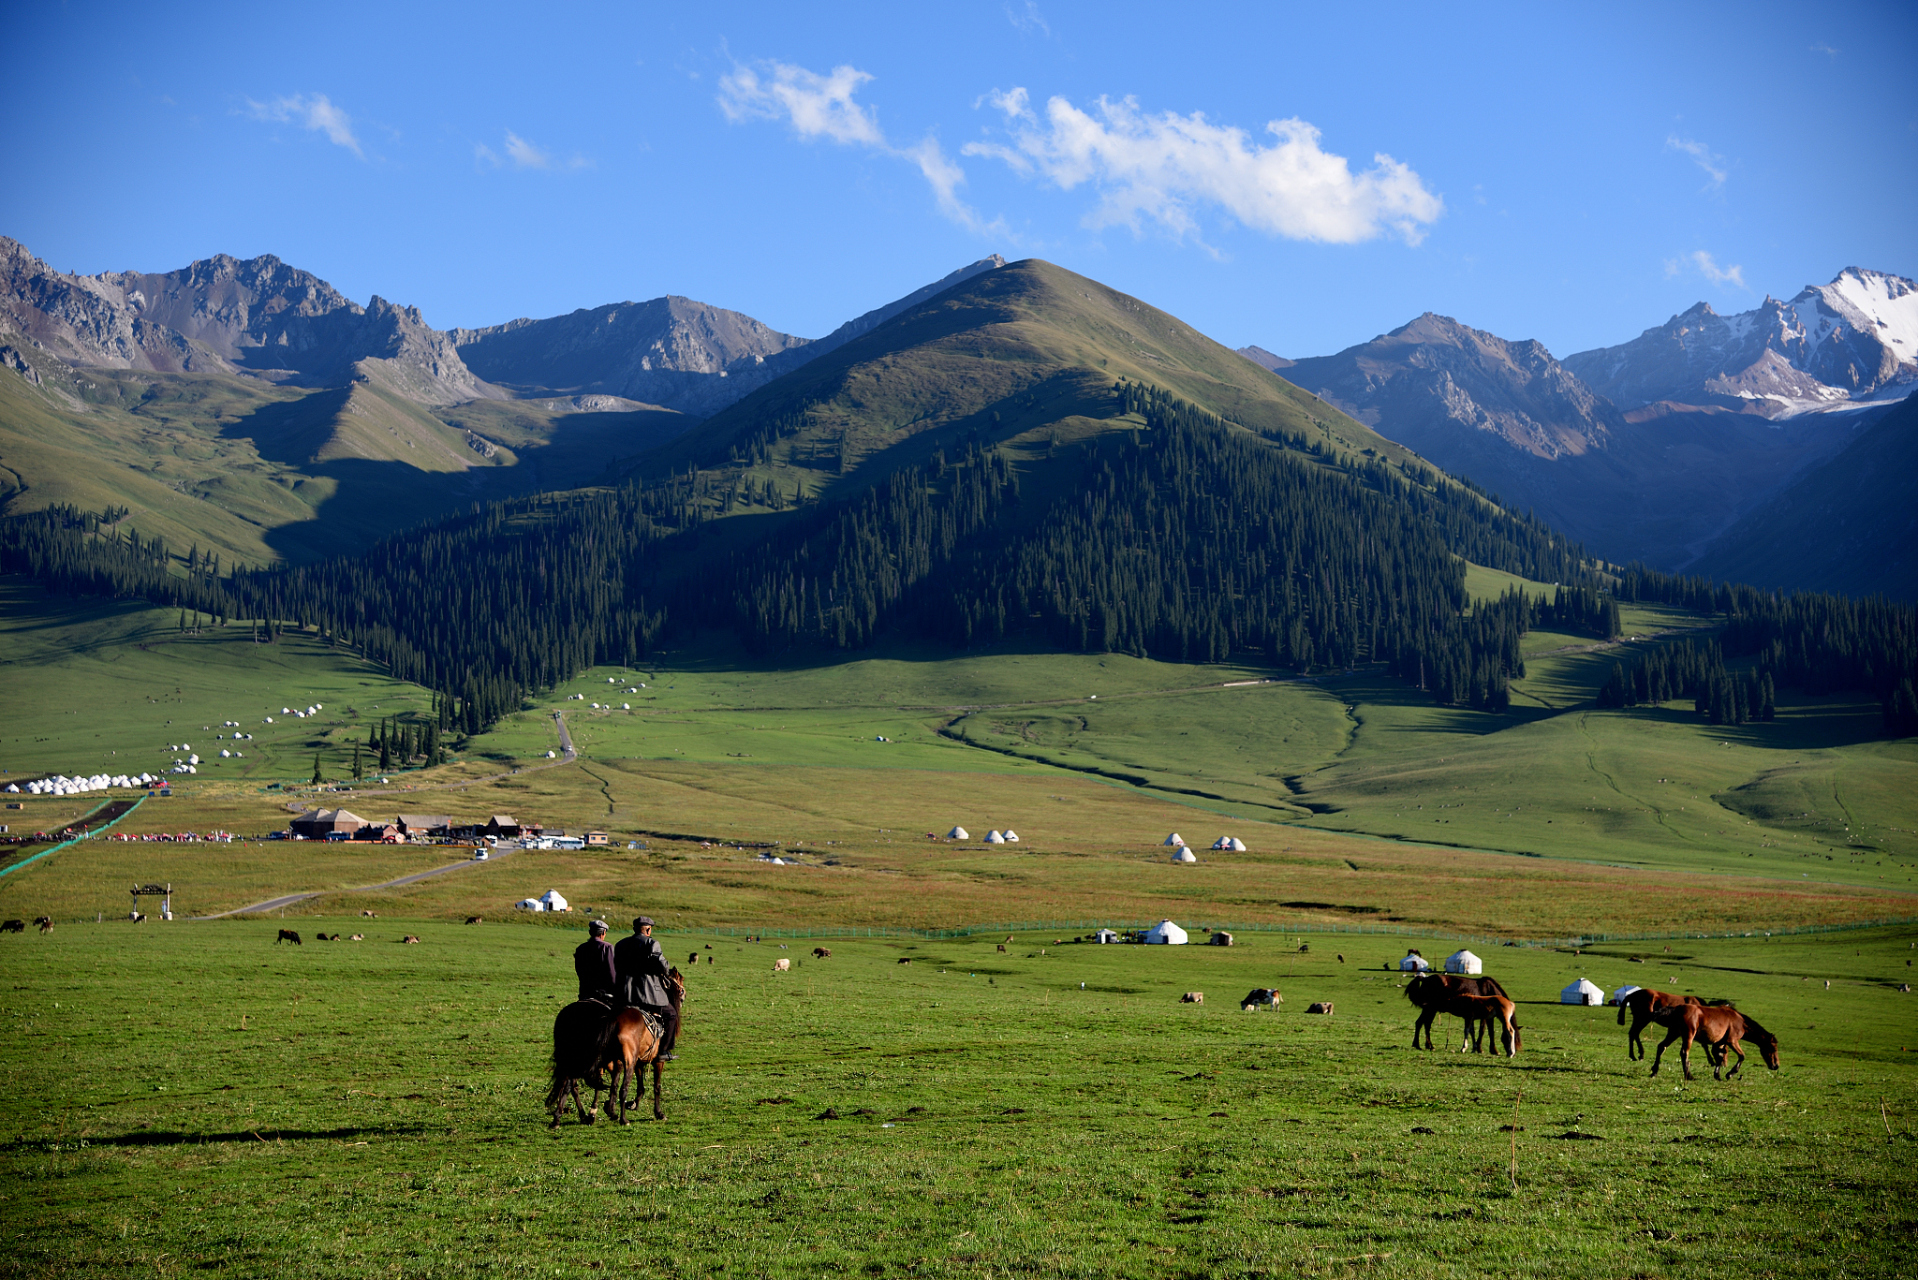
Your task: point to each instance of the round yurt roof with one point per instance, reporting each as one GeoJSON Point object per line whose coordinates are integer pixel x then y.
{"type": "Point", "coordinates": [1173, 840]}
{"type": "Point", "coordinates": [1414, 964]}
{"type": "Point", "coordinates": [1584, 991]}
{"type": "Point", "coordinates": [530, 904]}
{"type": "Point", "coordinates": [958, 833]}
{"type": "Point", "coordinates": [1464, 962]}
{"type": "Point", "coordinates": [1012, 837]}
{"type": "Point", "coordinates": [1618, 996]}
{"type": "Point", "coordinates": [1166, 932]}
{"type": "Point", "coordinates": [1237, 845]}
{"type": "Point", "coordinates": [1185, 855]}
{"type": "Point", "coordinates": [993, 837]}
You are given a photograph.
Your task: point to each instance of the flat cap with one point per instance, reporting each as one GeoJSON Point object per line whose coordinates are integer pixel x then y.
{"type": "Point", "coordinates": [597, 926]}
{"type": "Point", "coordinates": [642, 922]}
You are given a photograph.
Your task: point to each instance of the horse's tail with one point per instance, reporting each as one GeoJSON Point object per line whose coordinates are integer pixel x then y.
{"type": "Point", "coordinates": [1623, 1005]}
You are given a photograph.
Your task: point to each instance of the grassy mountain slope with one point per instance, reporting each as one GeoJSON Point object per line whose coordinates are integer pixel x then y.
{"type": "Point", "coordinates": [1849, 524]}
{"type": "Point", "coordinates": [1027, 353]}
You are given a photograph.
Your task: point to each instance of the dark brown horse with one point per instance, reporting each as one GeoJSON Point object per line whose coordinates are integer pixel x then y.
{"type": "Point", "coordinates": [1645, 1004]}
{"type": "Point", "coordinates": [590, 1039]}
{"type": "Point", "coordinates": [1432, 991]}
{"type": "Point", "coordinates": [1720, 1028]}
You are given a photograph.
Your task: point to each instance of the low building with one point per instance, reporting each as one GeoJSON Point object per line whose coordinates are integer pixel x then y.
{"type": "Point", "coordinates": [503, 825]}
{"type": "Point", "coordinates": [415, 826]}
{"type": "Point", "coordinates": [598, 839]}
{"type": "Point", "coordinates": [317, 824]}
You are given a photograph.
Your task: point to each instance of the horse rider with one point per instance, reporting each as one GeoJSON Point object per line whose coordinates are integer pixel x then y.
{"type": "Point", "coordinates": [643, 974]}
{"type": "Point", "coordinates": [593, 962]}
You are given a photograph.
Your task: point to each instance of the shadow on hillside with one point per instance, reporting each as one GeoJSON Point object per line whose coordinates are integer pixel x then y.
{"type": "Point", "coordinates": [179, 1138]}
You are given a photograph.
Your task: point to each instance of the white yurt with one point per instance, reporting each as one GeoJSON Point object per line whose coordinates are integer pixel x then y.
{"type": "Point", "coordinates": [1413, 963]}
{"type": "Point", "coordinates": [958, 833]}
{"type": "Point", "coordinates": [1173, 841]}
{"type": "Point", "coordinates": [1012, 837]}
{"type": "Point", "coordinates": [1618, 996]}
{"type": "Point", "coordinates": [1235, 844]}
{"type": "Point", "coordinates": [1165, 933]}
{"type": "Point", "coordinates": [1584, 991]}
{"type": "Point", "coordinates": [553, 901]}
{"type": "Point", "coordinates": [1223, 842]}
{"type": "Point", "coordinates": [1464, 962]}
{"type": "Point", "coordinates": [1183, 854]}
{"type": "Point", "coordinates": [993, 837]}
{"type": "Point", "coordinates": [529, 904]}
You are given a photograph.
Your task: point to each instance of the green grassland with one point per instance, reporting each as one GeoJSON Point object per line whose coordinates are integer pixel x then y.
{"type": "Point", "coordinates": [345, 1108]}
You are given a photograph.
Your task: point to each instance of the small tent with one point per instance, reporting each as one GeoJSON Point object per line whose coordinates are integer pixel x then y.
{"type": "Point", "coordinates": [1012, 837]}
{"type": "Point", "coordinates": [1173, 841]}
{"type": "Point", "coordinates": [993, 837]}
{"type": "Point", "coordinates": [1105, 935]}
{"type": "Point", "coordinates": [1237, 845]}
{"type": "Point", "coordinates": [530, 904]}
{"type": "Point", "coordinates": [1464, 962]}
{"type": "Point", "coordinates": [553, 901]}
{"type": "Point", "coordinates": [1223, 842]}
{"type": "Point", "coordinates": [1618, 996]}
{"type": "Point", "coordinates": [1584, 991]}
{"type": "Point", "coordinates": [1165, 933]}
{"type": "Point", "coordinates": [958, 833]}
{"type": "Point", "coordinates": [1183, 854]}
{"type": "Point", "coordinates": [1413, 963]}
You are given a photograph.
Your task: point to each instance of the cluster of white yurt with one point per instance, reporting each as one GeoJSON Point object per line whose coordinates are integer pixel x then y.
{"type": "Point", "coordinates": [1165, 933]}
{"type": "Point", "coordinates": [61, 785]}
{"type": "Point", "coordinates": [1622, 994]}
{"type": "Point", "coordinates": [1183, 854]}
{"type": "Point", "coordinates": [1414, 963]}
{"type": "Point", "coordinates": [1230, 844]}
{"type": "Point", "coordinates": [313, 710]}
{"type": "Point", "coordinates": [1464, 962]}
{"type": "Point", "coordinates": [1584, 991]}
{"type": "Point", "coordinates": [551, 900]}
{"type": "Point", "coordinates": [1008, 836]}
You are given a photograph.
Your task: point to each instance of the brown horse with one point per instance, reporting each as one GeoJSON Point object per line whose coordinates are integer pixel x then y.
{"type": "Point", "coordinates": [1720, 1027]}
{"type": "Point", "coordinates": [589, 1039]}
{"type": "Point", "coordinates": [1432, 991]}
{"type": "Point", "coordinates": [1645, 1005]}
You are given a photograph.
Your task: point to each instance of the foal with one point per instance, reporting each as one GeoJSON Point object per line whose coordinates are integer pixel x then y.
{"type": "Point", "coordinates": [1432, 993]}
{"type": "Point", "coordinates": [1720, 1027]}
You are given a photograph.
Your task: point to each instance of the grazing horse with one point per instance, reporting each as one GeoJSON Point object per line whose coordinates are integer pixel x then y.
{"type": "Point", "coordinates": [1645, 1005]}
{"type": "Point", "coordinates": [589, 1039]}
{"type": "Point", "coordinates": [1432, 991]}
{"type": "Point", "coordinates": [1721, 1027]}
{"type": "Point", "coordinates": [287, 935]}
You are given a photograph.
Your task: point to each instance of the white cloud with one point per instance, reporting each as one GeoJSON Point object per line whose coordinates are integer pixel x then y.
{"type": "Point", "coordinates": [822, 107]}
{"type": "Point", "coordinates": [1028, 20]}
{"type": "Point", "coordinates": [524, 155]}
{"type": "Point", "coordinates": [1702, 156]}
{"type": "Point", "coordinates": [1822, 47]}
{"type": "Point", "coordinates": [1709, 268]}
{"type": "Point", "coordinates": [1164, 168]}
{"type": "Point", "coordinates": [818, 106]}
{"type": "Point", "coordinates": [314, 112]}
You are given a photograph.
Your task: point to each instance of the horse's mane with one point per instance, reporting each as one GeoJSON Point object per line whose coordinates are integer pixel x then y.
{"type": "Point", "coordinates": [1755, 1033]}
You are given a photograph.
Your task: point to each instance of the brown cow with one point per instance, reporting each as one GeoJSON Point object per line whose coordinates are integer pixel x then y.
{"type": "Point", "coordinates": [287, 935]}
{"type": "Point", "coordinates": [45, 923]}
{"type": "Point", "coordinates": [476, 920]}
{"type": "Point", "coordinates": [411, 937]}
{"type": "Point", "coordinates": [821, 952]}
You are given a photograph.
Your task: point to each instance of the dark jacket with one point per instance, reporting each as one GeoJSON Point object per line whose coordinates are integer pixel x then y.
{"type": "Point", "coordinates": [642, 972]}
{"type": "Point", "coordinates": [593, 962]}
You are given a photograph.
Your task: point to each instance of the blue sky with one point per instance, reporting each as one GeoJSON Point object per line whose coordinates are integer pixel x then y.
{"type": "Point", "coordinates": [1301, 177]}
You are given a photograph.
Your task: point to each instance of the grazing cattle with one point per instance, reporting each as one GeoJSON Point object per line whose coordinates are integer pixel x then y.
{"type": "Point", "coordinates": [1192, 997]}
{"type": "Point", "coordinates": [782, 965]}
{"type": "Point", "coordinates": [821, 953]}
{"type": "Point", "coordinates": [13, 926]}
{"type": "Point", "coordinates": [45, 923]}
{"type": "Point", "coordinates": [1721, 1027]}
{"type": "Point", "coordinates": [1645, 1005]}
{"type": "Point", "coordinates": [1002, 947]}
{"type": "Point", "coordinates": [137, 917]}
{"type": "Point", "coordinates": [1305, 946]}
{"type": "Point", "coordinates": [1322, 1006]}
{"type": "Point", "coordinates": [358, 937]}
{"type": "Point", "coordinates": [905, 959]}
{"type": "Point", "coordinates": [1262, 996]}
{"type": "Point", "coordinates": [369, 915]}
{"type": "Point", "coordinates": [411, 937]}
{"type": "Point", "coordinates": [1431, 991]}
{"type": "Point", "coordinates": [693, 958]}
{"type": "Point", "coordinates": [287, 935]}
{"type": "Point", "coordinates": [476, 919]}
{"type": "Point", "coordinates": [1341, 957]}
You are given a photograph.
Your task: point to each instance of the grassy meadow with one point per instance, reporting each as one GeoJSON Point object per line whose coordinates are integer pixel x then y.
{"type": "Point", "coordinates": [345, 1108]}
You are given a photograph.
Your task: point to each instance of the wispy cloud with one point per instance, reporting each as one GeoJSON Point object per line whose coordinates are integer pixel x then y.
{"type": "Point", "coordinates": [1822, 47]}
{"type": "Point", "coordinates": [522, 154]}
{"type": "Point", "coordinates": [1164, 168]}
{"type": "Point", "coordinates": [1028, 20]}
{"type": "Point", "coordinates": [1702, 156]}
{"type": "Point", "coordinates": [310, 111]}
{"type": "Point", "coordinates": [821, 106]}
{"type": "Point", "coordinates": [1707, 266]}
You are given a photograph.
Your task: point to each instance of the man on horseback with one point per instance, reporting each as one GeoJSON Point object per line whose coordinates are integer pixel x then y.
{"type": "Point", "coordinates": [643, 975]}
{"type": "Point", "coordinates": [593, 962]}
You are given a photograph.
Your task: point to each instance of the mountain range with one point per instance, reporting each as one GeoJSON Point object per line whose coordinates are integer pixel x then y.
{"type": "Point", "coordinates": [1667, 448]}
{"type": "Point", "coordinates": [249, 405]}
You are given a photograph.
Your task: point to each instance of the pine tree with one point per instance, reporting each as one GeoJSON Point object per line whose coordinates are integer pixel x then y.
{"type": "Point", "coordinates": [316, 768]}
{"type": "Point", "coordinates": [357, 768]}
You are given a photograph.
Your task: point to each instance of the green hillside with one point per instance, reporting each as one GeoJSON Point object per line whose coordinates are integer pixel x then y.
{"type": "Point", "coordinates": [1026, 355]}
